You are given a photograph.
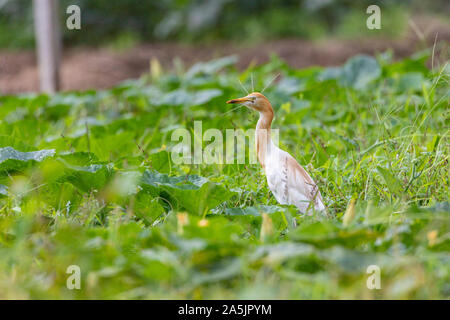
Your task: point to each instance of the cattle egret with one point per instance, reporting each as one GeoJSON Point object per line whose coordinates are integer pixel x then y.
{"type": "Point", "coordinates": [286, 178]}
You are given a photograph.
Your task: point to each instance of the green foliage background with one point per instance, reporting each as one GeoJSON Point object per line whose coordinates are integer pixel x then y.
{"type": "Point", "coordinates": [86, 179]}
{"type": "Point", "coordinates": [126, 22]}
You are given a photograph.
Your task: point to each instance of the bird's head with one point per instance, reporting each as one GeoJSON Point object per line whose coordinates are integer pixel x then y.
{"type": "Point", "coordinates": [255, 101]}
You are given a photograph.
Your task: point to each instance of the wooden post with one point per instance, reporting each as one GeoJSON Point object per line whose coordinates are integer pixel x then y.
{"type": "Point", "coordinates": [48, 43]}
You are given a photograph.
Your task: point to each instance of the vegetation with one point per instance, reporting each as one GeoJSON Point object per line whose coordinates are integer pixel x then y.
{"type": "Point", "coordinates": [86, 178]}
{"type": "Point", "coordinates": [126, 22]}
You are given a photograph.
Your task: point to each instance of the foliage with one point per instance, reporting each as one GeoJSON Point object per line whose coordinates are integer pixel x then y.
{"type": "Point", "coordinates": [86, 179]}
{"type": "Point", "coordinates": [125, 22]}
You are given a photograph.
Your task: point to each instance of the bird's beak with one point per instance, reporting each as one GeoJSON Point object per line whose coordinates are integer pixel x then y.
{"type": "Point", "coordinates": [239, 100]}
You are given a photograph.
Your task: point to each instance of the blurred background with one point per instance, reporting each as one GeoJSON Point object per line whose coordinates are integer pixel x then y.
{"type": "Point", "coordinates": [118, 39]}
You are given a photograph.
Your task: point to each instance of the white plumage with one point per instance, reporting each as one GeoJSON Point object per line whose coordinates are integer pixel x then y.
{"type": "Point", "coordinates": [286, 178]}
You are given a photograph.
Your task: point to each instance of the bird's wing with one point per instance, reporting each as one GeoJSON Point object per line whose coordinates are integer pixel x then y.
{"type": "Point", "coordinates": [301, 182]}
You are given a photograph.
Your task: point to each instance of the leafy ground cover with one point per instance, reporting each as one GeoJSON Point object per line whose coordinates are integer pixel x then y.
{"type": "Point", "coordinates": [87, 179]}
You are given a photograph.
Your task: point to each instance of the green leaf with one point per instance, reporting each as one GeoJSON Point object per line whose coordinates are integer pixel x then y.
{"type": "Point", "coordinates": [360, 71]}
{"type": "Point", "coordinates": [357, 72]}
{"type": "Point", "coordinates": [160, 161]}
{"type": "Point", "coordinates": [252, 216]}
{"type": "Point", "coordinates": [254, 211]}
{"type": "Point", "coordinates": [411, 81]}
{"type": "Point", "coordinates": [187, 98]}
{"type": "Point", "coordinates": [194, 193]}
{"type": "Point", "coordinates": [204, 96]}
{"type": "Point", "coordinates": [391, 181]}
{"type": "Point", "coordinates": [87, 178]}
{"type": "Point", "coordinates": [175, 98]}
{"type": "Point", "coordinates": [78, 158]}
{"type": "Point", "coordinates": [8, 141]}
{"type": "Point", "coordinates": [210, 67]}
{"type": "Point", "coordinates": [280, 252]}
{"type": "Point", "coordinates": [147, 208]}
{"type": "Point", "coordinates": [330, 233]}
{"type": "Point", "coordinates": [220, 271]}
{"type": "Point", "coordinates": [11, 159]}
{"type": "Point", "coordinates": [290, 85]}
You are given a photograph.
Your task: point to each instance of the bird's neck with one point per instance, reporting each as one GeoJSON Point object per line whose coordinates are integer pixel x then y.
{"type": "Point", "coordinates": [263, 136]}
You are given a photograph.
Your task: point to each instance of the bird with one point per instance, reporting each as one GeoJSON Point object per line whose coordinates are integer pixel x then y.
{"type": "Point", "coordinates": [287, 179]}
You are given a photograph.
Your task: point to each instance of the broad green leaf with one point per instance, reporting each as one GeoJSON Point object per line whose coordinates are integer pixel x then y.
{"type": "Point", "coordinates": [192, 192]}
{"type": "Point", "coordinates": [87, 178]}
{"type": "Point", "coordinates": [11, 159]}
{"type": "Point", "coordinates": [8, 141]}
{"type": "Point", "coordinates": [415, 63]}
{"type": "Point", "coordinates": [175, 98]}
{"type": "Point", "coordinates": [210, 67]}
{"type": "Point", "coordinates": [147, 208]}
{"type": "Point", "coordinates": [410, 82]}
{"type": "Point", "coordinates": [254, 211]}
{"type": "Point", "coordinates": [357, 72]}
{"type": "Point", "coordinates": [391, 181]}
{"type": "Point", "coordinates": [79, 158]}
{"type": "Point", "coordinates": [290, 85]}
{"type": "Point", "coordinates": [204, 96]}
{"type": "Point", "coordinates": [159, 264]}
{"type": "Point", "coordinates": [329, 233]}
{"type": "Point", "coordinates": [160, 161]}
{"type": "Point", "coordinates": [216, 230]}
{"type": "Point", "coordinates": [187, 98]}
{"type": "Point", "coordinates": [280, 252]}
{"type": "Point", "coordinates": [220, 271]}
